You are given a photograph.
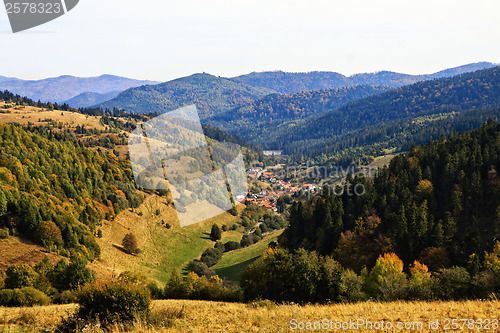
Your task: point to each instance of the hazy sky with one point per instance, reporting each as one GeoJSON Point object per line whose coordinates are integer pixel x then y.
{"type": "Point", "coordinates": [164, 39]}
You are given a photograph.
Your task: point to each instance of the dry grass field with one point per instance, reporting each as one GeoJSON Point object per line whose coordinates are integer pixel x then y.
{"type": "Point", "coordinates": [39, 116]}
{"type": "Point", "coordinates": [14, 250]}
{"type": "Point", "coordinates": [203, 316]}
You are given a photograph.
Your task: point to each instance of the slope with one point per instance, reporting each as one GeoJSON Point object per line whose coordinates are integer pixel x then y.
{"type": "Point", "coordinates": [211, 95]}
{"type": "Point", "coordinates": [91, 98]}
{"type": "Point", "coordinates": [257, 120]}
{"type": "Point", "coordinates": [475, 90]}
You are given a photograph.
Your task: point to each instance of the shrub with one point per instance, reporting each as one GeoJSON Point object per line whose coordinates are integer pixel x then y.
{"type": "Point", "coordinates": [282, 277]}
{"type": "Point", "coordinates": [113, 302]}
{"type": "Point", "coordinates": [484, 284]}
{"type": "Point", "coordinates": [20, 275]}
{"type": "Point", "coordinates": [175, 287]}
{"type": "Point", "coordinates": [231, 245]}
{"type": "Point", "coordinates": [351, 287]}
{"type": "Point", "coordinates": [129, 244]}
{"type": "Point", "coordinates": [452, 283]}
{"type": "Point", "coordinates": [154, 290]}
{"type": "Point", "coordinates": [219, 246]}
{"type": "Point", "coordinates": [224, 227]}
{"type": "Point", "coordinates": [248, 240]}
{"type": "Point", "coordinates": [28, 296]}
{"type": "Point", "coordinates": [132, 277]}
{"type": "Point", "coordinates": [65, 297]}
{"type": "Point", "coordinates": [4, 233]}
{"type": "Point", "coordinates": [211, 256]}
{"type": "Point", "coordinates": [201, 269]}
{"type": "Point", "coordinates": [6, 296]}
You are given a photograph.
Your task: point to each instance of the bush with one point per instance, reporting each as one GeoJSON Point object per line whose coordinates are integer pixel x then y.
{"type": "Point", "coordinates": [65, 297]}
{"type": "Point", "coordinates": [132, 277]}
{"type": "Point", "coordinates": [201, 269]}
{"type": "Point", "coordinates": [154, 290]}
{"type": "Point", "coordinates": [484, 284]}
{"type": "Point", "coordinates": [113, 302]}
{"type": "Point", "coordinates": [211, 256]}
{"type": "Point", "coordinates": [452, 283]}
{"type": "Point", "coordinates": [4, 233]}
{"type": "Point", "coordinates": [231, 245]}
{"type": "Point", "coordinates": [219, 246]}
{"type": "Point", "coordinates": [129, 244]}
{"type": "Point", "coordinates": [351, 287]}
{"type": "Point", "coordinates": [248, 240]}
{"type": "Point", "coordinates": [6, 296]}
{"type": "Point", "coordinates": [27, 296]}
{"type": "Point", "coordinates": [20, 275]}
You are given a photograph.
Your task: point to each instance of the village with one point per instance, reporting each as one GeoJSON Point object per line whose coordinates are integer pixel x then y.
{"type": "Point", "coordinates": [267, 185]}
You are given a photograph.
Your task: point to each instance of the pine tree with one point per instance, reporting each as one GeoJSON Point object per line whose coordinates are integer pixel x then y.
{"type": "Point", "coordinates": [215, 234]}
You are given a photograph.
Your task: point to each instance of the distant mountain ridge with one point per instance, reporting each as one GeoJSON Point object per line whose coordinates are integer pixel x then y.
{"type": "Point", "coordinates": [214, 95]}
{"type": "Point", "coordinates": [290, 83]}
{"type": "Point", "coordinates": [62, 88]}
{"type": "Point", "coordinates": [477, 90]}
{"type": "Point", "coordinates": [90, 98]}
{"type": "Point", "coordinates": [211, 94]}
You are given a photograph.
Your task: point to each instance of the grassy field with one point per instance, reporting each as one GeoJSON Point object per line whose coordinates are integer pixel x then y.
{"type": "Point", "coordinates": [203, 316]}
{"type": "Point", "coordinates": [162, 248]}
{"type": "Point", "coordinates": [234, 262]}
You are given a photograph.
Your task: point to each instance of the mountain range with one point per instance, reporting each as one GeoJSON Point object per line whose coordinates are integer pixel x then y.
{"type": "Point", "coordinates": [211, 94]}
{"type": "Point", "coordinates": [214, 95]}
{"type": "Point", "coordinates": [290, 83]}
{"type": "Point", "coordinates": [62, 88]}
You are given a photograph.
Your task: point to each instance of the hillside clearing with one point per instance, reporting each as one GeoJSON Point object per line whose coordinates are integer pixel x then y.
{"type": "Point", "coordinates": [234, 262]}
{"type": "Point", "coordinates": [162, 249]}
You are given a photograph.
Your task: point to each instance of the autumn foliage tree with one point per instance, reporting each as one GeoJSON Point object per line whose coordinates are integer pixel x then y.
{"type": "Point", "coordinates": [386, 279]}
{"type": "Point", "coordinates": [129, 244]}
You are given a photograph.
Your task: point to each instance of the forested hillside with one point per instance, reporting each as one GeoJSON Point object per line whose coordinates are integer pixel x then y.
{"type": "Point", "coordinates": [211, 95]}
{"type": "Point", "coordinates": [478, 90]}
{"type": "Point", "coordinates": [426, 227]}
{"type": "Point", "coordinates": [363, 145]}
{"type": "Point", "coordinates": [257, 120]}
{"type": "Point", "coordinates": [290, 83]}
{"type": "Point", "coordinates": [439, 204]}
{"type": "Point", "coordinates": [55, 192]}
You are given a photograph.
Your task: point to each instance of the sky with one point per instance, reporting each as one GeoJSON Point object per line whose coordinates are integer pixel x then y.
{"type": "Point", "coordinates": [164, 39]}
